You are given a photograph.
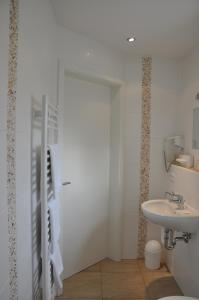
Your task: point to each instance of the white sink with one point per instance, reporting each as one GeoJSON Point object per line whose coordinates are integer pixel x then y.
{"type": "Point", "coordinates": [166, 214]}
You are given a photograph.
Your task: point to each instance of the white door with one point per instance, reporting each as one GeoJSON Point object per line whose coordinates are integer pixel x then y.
{"type": "Point", "coordinates": [86, 164]}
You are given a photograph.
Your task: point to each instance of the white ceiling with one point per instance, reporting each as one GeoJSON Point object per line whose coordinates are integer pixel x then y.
{"type": "Point", "coordinates": [161, 27]}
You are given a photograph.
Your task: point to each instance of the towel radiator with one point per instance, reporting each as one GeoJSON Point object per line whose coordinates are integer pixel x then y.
{"type": "Point", "coordinates": [49, 127]}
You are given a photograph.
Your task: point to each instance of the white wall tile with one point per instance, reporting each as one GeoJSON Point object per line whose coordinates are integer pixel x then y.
{"type": "Point", "coordinates": [3, 118]}
{"type": "Point", "coordinates": [73, 49]}
{"type": "Point", "coordinates": [131, 187]}
{"type": "Point", "coordinates": [4, 248]}
{"type": "Point", "coordinates": [4, 39]}
{"type": "Point", "coordinates": [133, 89]}
{"type": "Point", "coordinates": [164, 122]}
{"type": "Point", "coordinates": [133, 125]}
{"type": "Point", "coordinates": [23, 160]}
{"type": "Point", "coordinates": [132, 132]}
{"type": "Point", "coordinates": [35, 55]}
{"type": "Point", "coordinates": [36, 75]}
{"type": "Point", "coordinates": [4, 291]}
{"type": "Point", "coordinates": [153, 232]}
{"type": "Point", "coordinates": [185, 263]}
{"type": "Point", "coordinates": [132, 149]}
{"type": "Point", "coordinates": [3, 200]}
{"type": "Point", "coordinates": [158, 175]}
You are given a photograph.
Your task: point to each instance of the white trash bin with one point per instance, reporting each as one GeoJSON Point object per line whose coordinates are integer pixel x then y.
{"type": "Point", "coordinates": [152, 255]}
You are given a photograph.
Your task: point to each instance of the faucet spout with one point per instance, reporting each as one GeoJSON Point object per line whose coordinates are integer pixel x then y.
{"type": "Point", "coordinates": [178, 199]}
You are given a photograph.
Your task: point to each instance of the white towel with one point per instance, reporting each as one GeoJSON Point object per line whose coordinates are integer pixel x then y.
{"type": "Point", "coordinates": [55, 169]}
{"type": "Point", "coordinates": [55, 253]}
{"type": "Point", "coordinates": [55, 222]}
{"type": "Point", "coordinates": [57, 266]}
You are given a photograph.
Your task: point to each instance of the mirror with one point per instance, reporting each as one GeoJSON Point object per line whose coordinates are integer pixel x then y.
{"type": "Point", "coordinates": [195, 132]}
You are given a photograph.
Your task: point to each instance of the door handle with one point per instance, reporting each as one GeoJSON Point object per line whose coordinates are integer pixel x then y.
{"type": "Point", "coordinates": [66, 182]}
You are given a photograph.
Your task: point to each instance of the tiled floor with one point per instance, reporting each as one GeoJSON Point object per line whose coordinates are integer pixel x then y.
{"type": "Point", "coordinates": [125, 280]}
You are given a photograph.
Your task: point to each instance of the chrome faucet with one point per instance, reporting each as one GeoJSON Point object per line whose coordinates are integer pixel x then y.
{"type": "Point", "coordinates": [178, 199]}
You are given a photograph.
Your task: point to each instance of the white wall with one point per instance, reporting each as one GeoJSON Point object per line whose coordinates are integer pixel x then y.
{"type": "Point", "coordinates": [4, 27]}
{"type": "Point", "coordinates": [183, 260]}
{"type": "Point", "coordinates": [81, 54]}
{"type": "Point", "coordinates": [164, 106]}
{"type": "Point", "coordinates": [36, 76]}
{"type": "Point", "coordinates": [86, 56]}
{"type": "Point", "coordinates": [116, 174]}
{"type": "Point", "coordinates": [185, 264]}
{"type": "Point", "coordinates": [165, 101]}
{"type": "Point", "coordinates": [132, 135]}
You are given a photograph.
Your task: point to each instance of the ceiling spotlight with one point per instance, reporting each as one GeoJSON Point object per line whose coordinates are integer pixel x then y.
{"type": "Point", "coordinates": [131, 39]}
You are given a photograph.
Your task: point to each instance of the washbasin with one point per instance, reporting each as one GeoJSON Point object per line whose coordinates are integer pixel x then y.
{"type": "Point", "coordinates": [165, 213]}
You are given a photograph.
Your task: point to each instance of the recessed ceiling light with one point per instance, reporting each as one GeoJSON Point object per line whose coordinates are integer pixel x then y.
{"type": "Point", "coordinates": [131, 39]}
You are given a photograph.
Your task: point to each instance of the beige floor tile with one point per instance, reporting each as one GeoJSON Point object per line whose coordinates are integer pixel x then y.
{"type": "Point", "coordinates": [123, 285]}
{"type": "Point", "coordinates": [133, 261]}
{"type": "Point", "coordinates": [94, 268]}
{"type": "Point", "coordinates": [108, 265]}
{"type": "Point", "coordinates": [160, 285]}
{"type": "Point", "coordinates": [126, 298]}
{"type": "Point", "coordinates": [125, 280]}
{"type": "Point", "coordinates": [152, 276]}
{"type": "Point", "coordinates": [83, 285]}
{"type": "Point", "coordinates": [141, 263]}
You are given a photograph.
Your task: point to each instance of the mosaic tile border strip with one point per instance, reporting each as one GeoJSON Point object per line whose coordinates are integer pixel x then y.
{"type": "Point", "coordinates": [145, 150]}
{"type": "Point", "coordinates": [11, 146]}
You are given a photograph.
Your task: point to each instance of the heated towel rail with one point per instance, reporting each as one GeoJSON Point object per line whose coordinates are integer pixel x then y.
{"type": "Point", "coordinates": [49, 127]}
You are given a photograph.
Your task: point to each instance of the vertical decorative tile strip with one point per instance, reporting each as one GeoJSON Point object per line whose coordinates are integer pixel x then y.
{"type": "Point", "coordinates": [145, 150]}
{"type": "Point", "coordinates": [11, 146]}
